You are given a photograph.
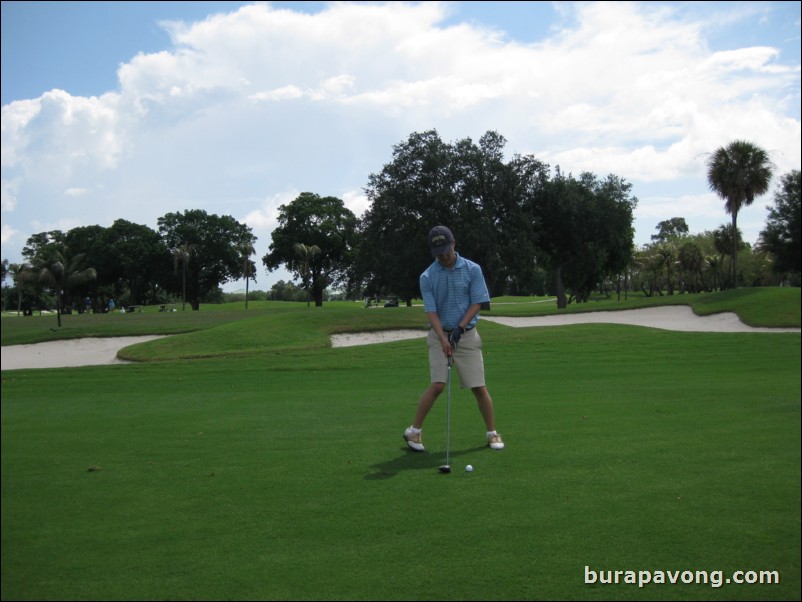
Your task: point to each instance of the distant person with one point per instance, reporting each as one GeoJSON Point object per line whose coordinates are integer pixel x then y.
{"type": "Point", "coordinates": [87, 305]}
{"type": "Point", "coordinates": [111, 306]}
{"type": "Point", "coordinates": [453, 290]}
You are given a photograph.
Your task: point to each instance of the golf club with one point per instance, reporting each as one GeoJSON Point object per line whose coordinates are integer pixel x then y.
{"type": "Point", "coordinates": [446, 468]}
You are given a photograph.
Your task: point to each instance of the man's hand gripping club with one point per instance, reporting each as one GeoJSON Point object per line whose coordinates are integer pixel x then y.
{"type": "Point", "coordinates": [454, 337]}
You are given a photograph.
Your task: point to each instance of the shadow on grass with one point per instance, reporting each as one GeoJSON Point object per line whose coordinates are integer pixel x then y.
{"type": "Point", "coordinates": [412, 460]}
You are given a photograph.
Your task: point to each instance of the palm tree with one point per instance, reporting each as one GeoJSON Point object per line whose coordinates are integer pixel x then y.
{"type": "Point", "coordinates": [723, 238]}
{"type": "Point", "coordinates": [246, 250]}
{"type": "Point", "coordinates": [713, 263]}
{"type": "Point", "coordinates": [691, 260]}
{"type": "Point", "coordinates": [181, 255]}
{"type": "Point", "coordinates": [666, 257]}
{"type": "Point", "coordinates": [738, 173]}
{"type": "Point", "coordinates": [21, 273]}
{"type": "Point", "coordinates": [60, 273]}
{"type": "Point", "coordinates": [306, 253]}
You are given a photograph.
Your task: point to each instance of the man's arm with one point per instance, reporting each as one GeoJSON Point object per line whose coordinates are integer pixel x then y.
{"type": "Point", "coordinates": [469, 315]}
{"type": "Point", "coordinates": [434, 320]}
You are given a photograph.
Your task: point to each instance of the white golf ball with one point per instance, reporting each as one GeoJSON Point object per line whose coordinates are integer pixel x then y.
{"type": "Point", "coordinates": [469, 468]}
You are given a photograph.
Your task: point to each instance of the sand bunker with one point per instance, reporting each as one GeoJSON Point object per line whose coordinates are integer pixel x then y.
{"type": "Point", "coordinates": [680, 318]}
{"type": "Point", "coordinates": [70, 353]}
{"type": "Point", "coordinates": [352, 339]}
{"type": "Point", "coordinates": [93, 352]}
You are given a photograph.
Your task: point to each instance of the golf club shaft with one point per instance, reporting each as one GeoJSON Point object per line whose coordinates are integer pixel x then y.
{"type": "Point", "coordinates": [448, 413]}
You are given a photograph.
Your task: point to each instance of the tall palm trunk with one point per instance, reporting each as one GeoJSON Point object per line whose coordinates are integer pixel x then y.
{"type": "Point", "coordinates": [738, 173]}
{"type": "Point", "coordinates": [734, 262]}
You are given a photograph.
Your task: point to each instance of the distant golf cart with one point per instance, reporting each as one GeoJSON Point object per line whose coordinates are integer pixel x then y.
{"type": "Point", "coordinates": [392, 301]}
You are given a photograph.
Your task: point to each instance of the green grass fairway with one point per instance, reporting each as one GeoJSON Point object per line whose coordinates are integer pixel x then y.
{"type": "Point", "coordinates": [272, 467]}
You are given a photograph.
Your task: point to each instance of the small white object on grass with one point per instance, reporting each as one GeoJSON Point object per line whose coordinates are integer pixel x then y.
{"type": "Point", "coordinates": [469, 468]}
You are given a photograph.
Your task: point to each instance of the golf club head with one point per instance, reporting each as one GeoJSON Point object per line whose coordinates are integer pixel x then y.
{"type": "Point", "coordinates": [445, 469]}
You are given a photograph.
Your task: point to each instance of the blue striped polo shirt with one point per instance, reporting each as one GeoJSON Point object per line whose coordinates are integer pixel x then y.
{"type": "Point", "coordinates": [450, 292]}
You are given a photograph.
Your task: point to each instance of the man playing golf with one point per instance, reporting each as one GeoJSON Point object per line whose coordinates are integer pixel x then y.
{"type": "Point", "coordinates": [453, 290]}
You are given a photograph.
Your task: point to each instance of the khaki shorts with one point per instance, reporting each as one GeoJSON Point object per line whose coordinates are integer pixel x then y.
{"type": "Point", "coordinates": [468, 360]}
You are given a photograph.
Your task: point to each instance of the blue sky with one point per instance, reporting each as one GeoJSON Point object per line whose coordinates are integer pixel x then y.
{"type": "Point", "coordinates": [130, 110]}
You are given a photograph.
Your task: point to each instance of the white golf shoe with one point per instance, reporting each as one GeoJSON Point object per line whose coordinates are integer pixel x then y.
{"type": "Point", "coordinates": [413, 440]}
{"type": "Point", "coordinates": [495, 442]}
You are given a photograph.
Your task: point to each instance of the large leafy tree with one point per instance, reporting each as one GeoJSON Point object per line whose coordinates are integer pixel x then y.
{"type": "Point", "coordinates": [314, 221]}
{"type": "Point", "coordinates": [43, 244]}
{"type": "Point", "coordinates": [216, 242]}
{"type": "Point", "coordinates": [781, 236]}
{"type": "Point", "coordinates": [131, 260]}
{"type": "Point", "coordinates": [481, 191]}
{"type": "Point", "coordinates": [492, 219]}
{"type": "Point", "coordinates": [516, 221]}
{"type": "Point", "coordinates": [559, 240]}
{"type": "Point", "coordinates": [583, 228]}
{"type": "Point", "coordinates": [676, 227]}
{"type": "Point", "coordinates": [141, 260]}
{"type": "Point", "coordinates": [409, 196]}
{"type": "Point", "coordinates": [738, 173]}
{"type": "Point", "coordinates": [507, 216]}
{"type": "Point", "coordinates": [466, 186]}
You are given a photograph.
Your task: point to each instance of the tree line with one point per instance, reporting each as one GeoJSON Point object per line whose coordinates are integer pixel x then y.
{"type": "Point", "coordinates": [530, 230]}
{"type": "Point", "coordinates": [534, 230]}
{"type": "Point", "coordinates": [677, 260]}
{"type": "Point", "coordinates": [187, 259]}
